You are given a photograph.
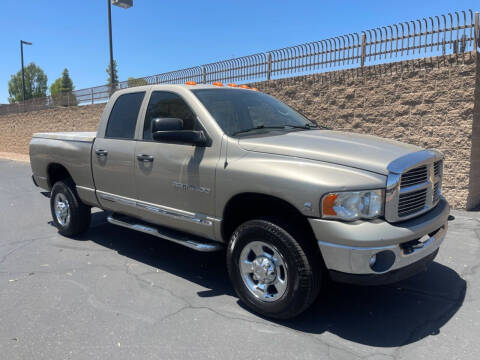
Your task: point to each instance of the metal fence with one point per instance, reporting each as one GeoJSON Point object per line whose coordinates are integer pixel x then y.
{"type": "Point", "coordinates": [453, 33]}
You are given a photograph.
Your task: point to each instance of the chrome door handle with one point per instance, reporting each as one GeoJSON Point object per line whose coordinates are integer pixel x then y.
{"type": "Point", "coordinates": [101, 152]}
{"type": "Point", "coordinates": [145, 158]}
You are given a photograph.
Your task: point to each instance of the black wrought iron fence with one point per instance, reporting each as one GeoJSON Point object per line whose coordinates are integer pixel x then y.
{"type": "Point", "coordinates": [455, 33]}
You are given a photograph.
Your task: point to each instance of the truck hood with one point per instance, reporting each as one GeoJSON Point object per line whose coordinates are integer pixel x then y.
{"type": "Point", "coordinates": [365, 152]}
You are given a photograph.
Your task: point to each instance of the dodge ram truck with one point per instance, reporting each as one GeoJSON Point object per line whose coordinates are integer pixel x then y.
{"type": "Point", "coordinates": [211, 167]}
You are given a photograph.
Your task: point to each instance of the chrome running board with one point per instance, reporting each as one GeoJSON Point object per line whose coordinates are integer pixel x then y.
{"type": "Point", "coordinates": [191, 241]}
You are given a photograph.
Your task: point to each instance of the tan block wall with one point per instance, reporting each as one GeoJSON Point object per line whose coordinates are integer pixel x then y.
{"type": "Point", "coordinates": [426, 102]}
{"type": "Point", "coordinates": [16, 129]}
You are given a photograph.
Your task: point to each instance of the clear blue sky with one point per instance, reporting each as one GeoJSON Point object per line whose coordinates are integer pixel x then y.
{"type": "Point", "coordinates": [156, 36]}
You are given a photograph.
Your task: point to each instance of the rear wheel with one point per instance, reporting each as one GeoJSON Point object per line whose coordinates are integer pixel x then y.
{"type": "Point", "coordinates": [273, 270]}
{"type": "Point", "coordinates": [70, 215]}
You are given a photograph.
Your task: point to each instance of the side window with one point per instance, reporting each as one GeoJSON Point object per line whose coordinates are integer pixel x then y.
{"type": "Point", "coordinates": [123, 117]}
{"type": "Point", "coordinates": [164, 104]}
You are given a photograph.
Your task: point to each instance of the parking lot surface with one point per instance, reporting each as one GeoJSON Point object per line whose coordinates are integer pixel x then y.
{"type": "Point", "coordinates": [118, 294]}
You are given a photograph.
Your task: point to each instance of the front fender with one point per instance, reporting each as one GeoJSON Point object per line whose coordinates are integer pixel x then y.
{"type": "Point", "coordinates": [300, 182]}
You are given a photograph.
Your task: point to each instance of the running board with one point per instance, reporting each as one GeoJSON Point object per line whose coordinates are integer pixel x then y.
{"type": "Point", "coordinates": [191, 241]}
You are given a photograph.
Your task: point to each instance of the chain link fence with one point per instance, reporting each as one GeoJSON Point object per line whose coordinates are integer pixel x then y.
{"type": "Point", "coordinates": [455, 33]}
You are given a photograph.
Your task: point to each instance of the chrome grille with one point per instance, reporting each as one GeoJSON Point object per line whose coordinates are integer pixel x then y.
{"type": "Point", "coordinates": [412, 202]}
{"type": "Point", "coordinates": [414, 177]}
{"type": "Point", "coordinates": [413, 185]}
{"type": "Point", "coordinates": [437, 166]}
{"type": "Point", "coordinates": [436, 192]}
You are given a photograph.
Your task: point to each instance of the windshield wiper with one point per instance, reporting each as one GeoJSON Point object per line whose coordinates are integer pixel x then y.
{"type": "Point", "coordinates": [310, 126]}
{"type": "Point", "coordinates": [257, 128]}
{"type": "Point", "coordinates": [305, 126]}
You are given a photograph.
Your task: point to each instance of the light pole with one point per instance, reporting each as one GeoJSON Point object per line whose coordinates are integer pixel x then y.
{"type": "Point", "coordinates": [23, 72]}
{"type": "Point", "coordinates": [125, 4]}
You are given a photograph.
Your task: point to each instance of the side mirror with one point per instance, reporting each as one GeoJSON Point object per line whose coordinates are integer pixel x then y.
{"type": "Point", "coordinates": [166, 124]}
{"type": "Point", "coordinates": [197, 138]}
{"type": "Point", "coordinates": [170, 130]}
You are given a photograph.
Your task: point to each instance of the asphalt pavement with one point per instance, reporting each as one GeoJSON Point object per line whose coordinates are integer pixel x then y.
{"type": "Point", "coordinates": [118, 294]}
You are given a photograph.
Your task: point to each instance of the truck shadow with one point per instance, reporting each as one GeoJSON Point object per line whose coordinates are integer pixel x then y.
{"type": "Point", "coordinates": [390, 315]}
{"type": "Point", "coordinates": [383, 316]}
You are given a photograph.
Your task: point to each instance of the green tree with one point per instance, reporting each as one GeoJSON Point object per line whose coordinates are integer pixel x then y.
{"type": "Point", "coordinates": [112, 80]}
{"type": "Point", "coordinates": [61, 90]}
{"type": "Point", "coordinates": [35, 84]}
{"type": "Point", "coordinates": [56, 87]}
{"type": "Point", "coordinates": [136, 82]}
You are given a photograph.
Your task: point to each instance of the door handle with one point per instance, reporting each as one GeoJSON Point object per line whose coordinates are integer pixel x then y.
{"type": "Point", "coordinates": [145, 158]}
{"type": "Point", "coordinates": [101, 152]}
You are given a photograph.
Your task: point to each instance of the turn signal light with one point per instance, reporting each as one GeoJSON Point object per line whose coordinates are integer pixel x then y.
{"type": "Point", "coordinates": [232, 85]}
{"type": "Point", "coordinates": [328, 204]}
{"type": "Point", "coordinates": [217, 83]}
{"type": "Point", "coordinates": [244, 86]}
{"type": "Point", "coordinates": [190, 83]}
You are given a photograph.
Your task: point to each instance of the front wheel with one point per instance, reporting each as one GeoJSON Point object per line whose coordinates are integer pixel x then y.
{"type": "Point", "coordinates": [70, 215]}
{"type": "Point", "coordinates": [272, 269]}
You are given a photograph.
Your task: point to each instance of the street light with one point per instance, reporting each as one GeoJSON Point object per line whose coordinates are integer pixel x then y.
{"type": "Point", "coordinates": [125, 4]}
{"type": "Point", "coordinates": [23, 73]}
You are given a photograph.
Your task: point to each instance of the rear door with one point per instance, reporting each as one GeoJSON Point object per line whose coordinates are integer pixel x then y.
{"type": "Point", "coordinates": [113, 155]}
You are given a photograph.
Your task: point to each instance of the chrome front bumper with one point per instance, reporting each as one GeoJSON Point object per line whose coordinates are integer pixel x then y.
{"type": "Point", "coordinates": [348, 247]}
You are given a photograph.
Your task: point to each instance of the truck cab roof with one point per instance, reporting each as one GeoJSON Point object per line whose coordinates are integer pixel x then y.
{"type": "Point", "coordinates": [176, 87]}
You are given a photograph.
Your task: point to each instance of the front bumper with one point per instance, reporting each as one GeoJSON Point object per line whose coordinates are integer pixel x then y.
{"type": "Point", "coordinates": [347, 248]}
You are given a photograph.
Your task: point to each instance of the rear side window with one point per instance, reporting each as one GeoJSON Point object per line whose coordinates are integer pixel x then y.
{"type": "Point", "coordinates": [123, 117]}
{"type": "Point", "coordinates": [165, 104]}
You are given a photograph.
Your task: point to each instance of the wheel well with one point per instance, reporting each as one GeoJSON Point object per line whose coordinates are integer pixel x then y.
{"type": "Point", "coordinates": [248, 206]}
{"type": "Point", "coordinates": [57, 172]}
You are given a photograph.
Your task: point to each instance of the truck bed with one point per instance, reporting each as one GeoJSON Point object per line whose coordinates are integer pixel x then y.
{"type": "Point", "coordinates": [69, 150]}
{"type": "Point", "coordinates": [72, 136]}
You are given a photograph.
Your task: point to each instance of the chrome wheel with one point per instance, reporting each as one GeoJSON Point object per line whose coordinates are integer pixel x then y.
{"type": "Point", "coordinates": [263, 271]}
{"type": "Point", "coordinates": [62, 209]}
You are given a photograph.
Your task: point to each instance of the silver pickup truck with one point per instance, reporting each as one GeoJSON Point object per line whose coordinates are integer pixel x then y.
{"type": "Point", "coordinates": [215, 167]}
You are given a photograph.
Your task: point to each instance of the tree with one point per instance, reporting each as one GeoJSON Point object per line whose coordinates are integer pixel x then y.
{"type": "Point", "coordinates": [112, 80]}
{"type": "Point", "coordinates": [136, 82]}
{"type": "Point", "coordinates": [61, 90]}
{"type": "Point", "coordinates": [67, 83]}
{"type": "Point", "coordinates": [35, 84]}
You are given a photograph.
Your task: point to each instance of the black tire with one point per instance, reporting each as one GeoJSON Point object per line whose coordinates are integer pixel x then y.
{"type": "Point", "coordinates": [303, 261]}
{"type": "Point", "coordinates": [79, 219]}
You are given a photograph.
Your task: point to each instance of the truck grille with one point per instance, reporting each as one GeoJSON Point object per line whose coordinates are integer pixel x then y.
{"type": "Point", "coordinates": [414, 185]}
{"type": "Point", "coordinates": [414, 177]}
{"type": "Point", "coordinates": [437, 166]}
{"type": "Point", "coordinates": [412, 202]}
{"type": "Point", "coordinates": [436, 192]}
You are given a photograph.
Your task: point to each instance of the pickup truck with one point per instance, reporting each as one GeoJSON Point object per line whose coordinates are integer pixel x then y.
{"type": "Point", "coordinates": [211, 167]}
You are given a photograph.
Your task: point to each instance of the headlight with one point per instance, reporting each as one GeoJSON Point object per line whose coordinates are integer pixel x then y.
{"type": "Point", "coordinates": [353, 205]}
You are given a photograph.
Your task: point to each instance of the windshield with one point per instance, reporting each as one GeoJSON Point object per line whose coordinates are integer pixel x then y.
{"type": "Point", "coordinates": [240, 112]}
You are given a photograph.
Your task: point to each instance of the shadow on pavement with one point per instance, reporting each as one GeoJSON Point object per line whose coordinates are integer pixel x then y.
{"type": "Point", "coordinates": [383, 316]}
{"type": "Point", "coordinates": [387, 316]}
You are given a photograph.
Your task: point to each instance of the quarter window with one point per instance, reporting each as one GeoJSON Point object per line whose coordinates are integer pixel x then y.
{"type": "Point", "coordinates": [123, 117]}
{"type": "Point", "coordinates": [164, 104]}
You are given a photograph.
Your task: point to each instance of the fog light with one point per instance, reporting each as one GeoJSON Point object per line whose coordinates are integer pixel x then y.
{"type": "Point", "coordinates": [372, 260]}
{"type": "Point", "coordinates": [382, 261]}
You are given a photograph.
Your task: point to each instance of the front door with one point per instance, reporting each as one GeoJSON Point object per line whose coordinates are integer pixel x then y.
{"type": "Point", "coordinates": [174, 181]}
{"type": "Point", "coordinates": [113, 156]}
